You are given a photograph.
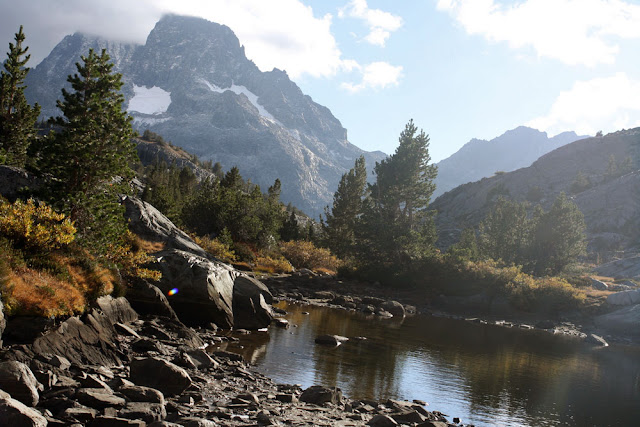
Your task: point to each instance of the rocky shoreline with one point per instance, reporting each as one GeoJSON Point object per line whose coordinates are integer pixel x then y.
{"type": "Point", "coordinates": [113, 367]}
{"type": "Point", "coordinates": [310, 288]}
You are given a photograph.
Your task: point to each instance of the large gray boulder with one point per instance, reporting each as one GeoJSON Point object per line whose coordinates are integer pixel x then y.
{"type": "Point", "coordinates": [81, 342]}
{"type": "Point", "coordinates": [17, 379]}
{"type": "Point", "coordinates": [117, 310]}
{"type": "Point", "coordinates": [149, 223]}
{"type": "Point", "coordinates": [159, 374]}
{"type": "Point", "coordinates": [15, 413]}
{"type": "Point", "coordinates": [204, 287]}
{"type": "Point", "coordinates": [250, 303]}
{"type": "Point", "coordinates": [624, 298]}
{"type": "Point", "coordinates": [625, 321]}
{"type": "Point", "coordinates": [147, 299]}
{"type": "Point", "coordinates": [13, 180]}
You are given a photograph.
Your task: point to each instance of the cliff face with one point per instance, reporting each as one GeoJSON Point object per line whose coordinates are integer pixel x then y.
{"type": "Point", "coordinates": [610, 202]}
{"type": "Point", "coordinates": [480, 158]}
{"type": "Point", "coordinates": [192, 83]}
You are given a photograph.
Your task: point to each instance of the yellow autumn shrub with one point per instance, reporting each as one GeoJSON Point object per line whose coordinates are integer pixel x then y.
{"type": "Point", "coordinates": [304, 254]}
{"type": "Point", "coordinates": [35, 227]}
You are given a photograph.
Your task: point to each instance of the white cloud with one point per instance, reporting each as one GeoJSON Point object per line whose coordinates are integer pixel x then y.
{"type": "Point", "coordinates": [377, 75]}
{"type": "Point", "coordinates": [606, 104]}
{"type": "Point", "coordinates": [381, 24]}
{"type": "Point", "coordinates": [576, 32]}
{"type": "Point", "coordinates": [276, 33]}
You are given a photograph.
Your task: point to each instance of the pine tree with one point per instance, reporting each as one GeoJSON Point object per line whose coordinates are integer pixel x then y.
{"type": "Point", "coordinates": [339, 225]}
{"type": "Point", "coordinates": [505, 233]}
{"type": "Point", "coordinates": [17, 118]}
{"type": "Point", "coordinates": [397, 224]}
{"type": "Point", "coordinates": [91, 148]}
{"type": "Point", "coordinates": [559, 237]}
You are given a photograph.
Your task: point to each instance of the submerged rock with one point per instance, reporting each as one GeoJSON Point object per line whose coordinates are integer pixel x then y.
{"type": "Point", "coordinates": [331, 339]}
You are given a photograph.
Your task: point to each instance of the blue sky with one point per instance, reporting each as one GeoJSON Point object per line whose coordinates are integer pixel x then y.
{"type": "Point", "coordinates": [460, 68]}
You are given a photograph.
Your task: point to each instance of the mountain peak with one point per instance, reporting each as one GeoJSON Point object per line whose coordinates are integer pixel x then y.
{"type": "Point", "coordinates": [479, 158]}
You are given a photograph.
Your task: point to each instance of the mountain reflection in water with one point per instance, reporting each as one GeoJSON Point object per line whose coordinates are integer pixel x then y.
{"type": "Point", "coordinates": [484, 374]}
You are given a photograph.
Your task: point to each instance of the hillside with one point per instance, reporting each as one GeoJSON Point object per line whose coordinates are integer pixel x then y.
{"type": "Point", "coordinates": [479, 158]}
{"type": "Point", "coordinates": [610, 202]}
{"type": "Point", "coordinates": [192, 83]}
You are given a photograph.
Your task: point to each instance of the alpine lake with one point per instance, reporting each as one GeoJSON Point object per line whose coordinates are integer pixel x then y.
{"type": "Point", "coordinates": [487, 375]}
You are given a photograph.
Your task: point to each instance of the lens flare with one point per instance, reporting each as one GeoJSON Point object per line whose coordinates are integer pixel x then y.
{"type": "Point", "coordinates": [173, 291]}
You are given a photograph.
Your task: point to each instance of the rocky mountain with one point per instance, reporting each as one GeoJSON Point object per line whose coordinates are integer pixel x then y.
{"type": "Point", "coordinates": [479, 158]}
{"type": "Point", "coordinates": [192, 83]}
{"type": "Point", "coordinates": [600, 174]}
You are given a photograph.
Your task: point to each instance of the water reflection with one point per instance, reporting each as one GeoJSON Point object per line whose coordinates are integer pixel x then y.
{"type": "Point", "coordinates": [485, 374]}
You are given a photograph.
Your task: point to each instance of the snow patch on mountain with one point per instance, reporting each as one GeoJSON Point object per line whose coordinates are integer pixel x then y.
{"type": "Point", "coordinates": [149, 101]}
{"type": "Point", "coordinates": [252, 97]}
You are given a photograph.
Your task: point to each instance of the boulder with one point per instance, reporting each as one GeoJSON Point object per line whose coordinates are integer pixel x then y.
{"type": "Point", "coordinates": [13, 180]}
{"type": "Point", "coordinates": [596, 340]}
{"type": "Point", "coordinates": [250, 286]}
{"type": "Point", "coordinates": [99, 398]}
{"type": "Point", "coordinates": [393, 307]}
{"type": "Point", "coordinates": [148, 412]}
{"type": "Point", "coordinates": [89, 341]}
{"type": "Point", "coordinates": [625, 321]}
{"type": "Point", "coordinates": [117, 310]}
{"type": "Point", "coordinates": [204, 287]}
{"type": "Point", "coordinates": [105, 421]}
{"type": "Point", "coordinates": [147, 299]}
{"type": "Point", "coordinates": [319, 394]}
{"type": "Point", "coordinates": [251, 312]}
{"type": "Point", "coordinates": [149, 223]}
{"type": "Point", "coordinates": [138, 393]}
{"type": "Point", "coordinates": [331, 339]}
{"type": "Point", "coordinates": [17, 379]}
{"type": "Point", "coordinates": [381, 420]}
{"type": "Point", "coordinates": [15, 413]}
{"type": "Point", "coordinates": [599, 285]}
{"type": "Point", "coordinates": [160, 374]}
{"type": "Point", "coordinates": [624, 298]}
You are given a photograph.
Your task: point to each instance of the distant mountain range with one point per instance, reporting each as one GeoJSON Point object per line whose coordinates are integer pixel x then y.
{"type": "Point", "coordinates": [192, 83]}
{"type": "Point", "coordinates": [600, 174]}
{"type": "Point", "coordinates": [480, 158]}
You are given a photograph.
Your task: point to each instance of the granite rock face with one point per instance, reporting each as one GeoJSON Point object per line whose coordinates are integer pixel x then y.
{"type": "Point", "coordinates": [204, 95]}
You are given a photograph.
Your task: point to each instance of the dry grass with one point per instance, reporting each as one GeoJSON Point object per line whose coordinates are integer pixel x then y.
{"type": "Point", "coordinates": [272, 265]}
{"type": "Point", "coordinates": [149, 246]}
{"type": "Point", "coordinates": [28, 291]}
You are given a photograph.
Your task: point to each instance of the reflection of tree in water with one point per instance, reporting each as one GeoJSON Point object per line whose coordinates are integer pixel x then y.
{"type": "Point", "coordinates": [543, 374]}
{"type": "Point", "coordinates": [529, 374]}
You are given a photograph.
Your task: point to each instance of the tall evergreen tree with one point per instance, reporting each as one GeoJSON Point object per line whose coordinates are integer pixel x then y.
{"type": "Point", "coordinates": [17, 117]}
{"type": "Point", "coordinates": [339, 225]}
{"type": "Point", "coordinates": [91, 147]}
{"type": "Point", "coordinates": [397, 223]}
{"type": "Point", "coordinates": [558, 237]}
{"type": "Point", "coordinates": [506, 232]}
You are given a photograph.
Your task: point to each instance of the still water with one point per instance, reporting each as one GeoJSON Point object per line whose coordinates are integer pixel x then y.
{"type": "Point", "coordinates": [484, 374]}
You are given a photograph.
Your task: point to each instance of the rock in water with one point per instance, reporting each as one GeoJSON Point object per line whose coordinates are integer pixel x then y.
{"type": "Point", "coordinates": [250, 308]}
{"type": "Point", "coordinates": [331, 339]}
{"type": "Point", "coordinates": [160, 374]}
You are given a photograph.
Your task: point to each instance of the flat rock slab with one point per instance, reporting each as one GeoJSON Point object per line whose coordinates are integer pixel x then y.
{"type": "Point", "coordinates": [319, 394]}
{"type": "Point", "coordinates": [157, 373]}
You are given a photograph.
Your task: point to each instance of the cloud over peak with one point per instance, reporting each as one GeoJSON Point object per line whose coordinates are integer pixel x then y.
{"type": "Point", "coordinates": [380, 23]}
{"type": "Point", "coordinates": [575, 32]}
